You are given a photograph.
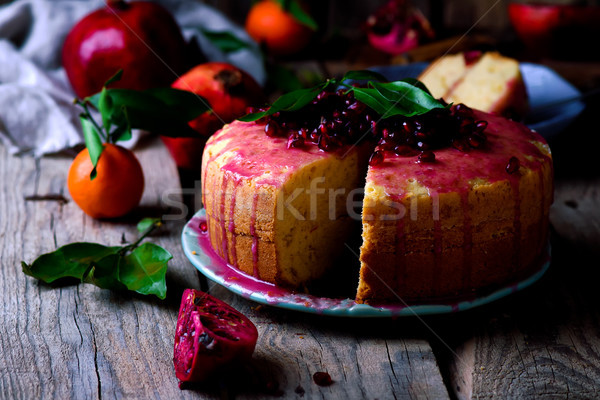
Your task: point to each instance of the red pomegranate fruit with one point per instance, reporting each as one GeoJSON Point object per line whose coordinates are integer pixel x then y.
{"type": "Point", "coordinates": [210, 336]}
{"type": "Point", "coordinates": [397, 27]}
{"type": "Point", "coordinates": [141, 38]}
{"type": "Point", "coordinates": [228, 90]}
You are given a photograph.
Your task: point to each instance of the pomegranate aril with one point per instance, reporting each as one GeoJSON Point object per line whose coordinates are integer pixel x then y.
{"type": "Point", "coordinates": [322, 378]}
{"type": "Point", "coordinates": [480, 126]}
{"type": "Point", "coordinates": [295, 142]}
{"type": "Point", "coordinates": [272, 128]}
{"type": "Point", "coordinates": [426, 157]}
{"type": "Point", "coordinates": [376, 158]}
{"type": "Point", "coordinates": [513, 165]}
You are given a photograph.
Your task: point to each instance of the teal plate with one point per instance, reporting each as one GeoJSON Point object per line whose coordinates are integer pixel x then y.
{"type": "Point", "coordinates": [197, 248]}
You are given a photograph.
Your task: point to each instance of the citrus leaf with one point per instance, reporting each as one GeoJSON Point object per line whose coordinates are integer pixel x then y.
{"type": "Point", "coordinates": [140, 268]}
{"type": "Point", "coordinates": [406, 99]}
{"type": "Point", "coordinates": [115, 78]}
{"type": "Point", "coordinates": [104, 273]}
{"type": "Point", "coordinates": [295, 9]}
{"type": "Point", "coordinates": [371, 98]}
{"type": "Point", "coordinates": [144, 270]}
{"type": "Point", "coordinates": [291, 101]}
{"type": "Point", "coordinates": [163, 110]}
{"type": "Point", "coordinates": [225, 41]}
{"type": "Point", "coordinates": [364, 75]}
{"type": "Point", "coordinates": [148, 223]}
{"type": "Point", "coordinates": [92, 142]}
{"type": "Point", "coordinates": [69, 261]}
{"type": "Point", "coordinates": [105, 107]}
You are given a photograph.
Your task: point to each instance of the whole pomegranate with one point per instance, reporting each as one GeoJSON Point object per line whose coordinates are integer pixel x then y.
{"type": "Point", "coordinates": [139, 37]}
{"type": "Point", "coordinates": [398, 27]}
{"type": "Point", "coordinates": [210, 335]}
{"type": "Point", "coordinates": [228, 90]}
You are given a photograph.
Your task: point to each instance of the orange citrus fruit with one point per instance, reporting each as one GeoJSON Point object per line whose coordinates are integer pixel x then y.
{"type": "Point", "coordinates": [277, 29]}
{"type": "Point", "coordinates": [117, 188]}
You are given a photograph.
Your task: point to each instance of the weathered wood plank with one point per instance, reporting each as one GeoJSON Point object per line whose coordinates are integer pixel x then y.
{"type": "Point", "coordinates": [78, 341]}
{"type": "Point", "coordinates": [544, 342]}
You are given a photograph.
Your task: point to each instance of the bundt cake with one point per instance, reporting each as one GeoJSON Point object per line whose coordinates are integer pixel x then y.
{"type": "Point", "coordinates": [455, 199]}
{"type": "Point", "coordinates": [484, 81]}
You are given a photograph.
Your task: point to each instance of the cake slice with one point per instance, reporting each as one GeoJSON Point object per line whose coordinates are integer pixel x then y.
{"type": "Point", "coordinates": [489, 82]}
{"type": "Point", "coordinates": [276, 213]}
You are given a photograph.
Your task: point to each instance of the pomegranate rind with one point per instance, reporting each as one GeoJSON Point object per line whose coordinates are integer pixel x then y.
{"type": "Point", "coordinates": [210, 335]}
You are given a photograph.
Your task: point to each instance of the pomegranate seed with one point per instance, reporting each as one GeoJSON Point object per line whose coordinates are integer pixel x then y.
{"type": "Point", "coordinates": [474, 141]}
{"type": "Point", "coordinates": [404, 150]}
{"type": "Point", "coordinates": [459, 145]}
{"type": "Point", "coordinates": [480, 126]}
{"type": "Point", "coordinates": [271, 129]}
{"type": "Point", "coordinates": [513, 165]}
{"type": "Point", "coordinates": [426, 157]}
{"type": "Point", "coordinates": [203, 226]}
{"type": "Point", "coordinates": [376, 158]}
{"type": "Point", "coordinates": [295, 142]}
{"type": "Point", "coordinates": [322, 378]}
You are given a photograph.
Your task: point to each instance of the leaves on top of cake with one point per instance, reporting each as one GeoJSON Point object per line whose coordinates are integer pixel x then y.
{"type": "Point", "coordinates": [406, 97]}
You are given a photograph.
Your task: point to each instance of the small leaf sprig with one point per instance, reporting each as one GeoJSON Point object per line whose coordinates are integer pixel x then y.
{"type": "Point", "coordinates": [139, 267]}
{"type": "Point", "coordinates": [407, 97]}
{"type": "Point", "coordinates": [165, 110]}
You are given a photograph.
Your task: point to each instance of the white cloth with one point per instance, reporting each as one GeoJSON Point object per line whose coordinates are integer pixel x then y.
{"type": "Point", "coordinates": [37, 115]}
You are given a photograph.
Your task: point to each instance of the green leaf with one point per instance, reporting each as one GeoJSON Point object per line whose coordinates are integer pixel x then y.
{"type": "Point", "coordinates": [144, 270]}
{"type": "Point", "coordinates": [418, 84]}
{"type": "Point", "coordinates": [92, 142]}
{"type": "Point", "coordinates": [148, 223]}
{"type": "Point", "coordinates": [364, 75]}
{"type": "Point", "coordinates": [371, 98]}
{"type": "Point", "coordinates": [104, 273]}
{"type": "Point", "coordinates": [140, 268]}
{"type": "Point", "coordinates": [225, 41]}
{"type": "Point", "coordinates": [406, 99]}
{"type": "Point", "coordinates": [165, 110]}
{"type": "Point", "coordinates": [115, 78]}
{"type": "Point", "coordinates": [292, 101]}
{"type": "Point", "coordinates": [295, 9]}
{"type": "Point", "coordinates": [69, 261]}
{"type": "Point", "coordinates": [105, 107]}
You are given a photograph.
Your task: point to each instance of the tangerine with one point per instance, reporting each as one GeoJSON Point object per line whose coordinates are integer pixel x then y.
{"type": "Point", "coordinates": [117, 188]}
{"type": "Point", "coordinates": [282, 34]}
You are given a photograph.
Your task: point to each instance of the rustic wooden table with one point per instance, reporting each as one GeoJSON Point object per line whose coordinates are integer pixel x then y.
{"type": "Point", "coordinates": [78, 341]}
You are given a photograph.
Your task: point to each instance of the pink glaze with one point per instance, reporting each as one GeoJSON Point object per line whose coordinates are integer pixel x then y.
{"type": "Point", "coordinates": [254, 153]}
{"type": "Point", "coordinates": [247, 285]}
{"type": "Point", "coordinates": [453, 171]}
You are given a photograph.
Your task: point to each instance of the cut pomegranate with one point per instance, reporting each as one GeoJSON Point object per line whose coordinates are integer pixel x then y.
{"type": "Point", "coordinates": [210, 336]}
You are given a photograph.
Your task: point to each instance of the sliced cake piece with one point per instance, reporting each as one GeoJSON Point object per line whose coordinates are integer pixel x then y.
{"type": "Point", "coordinates": [489, 82]}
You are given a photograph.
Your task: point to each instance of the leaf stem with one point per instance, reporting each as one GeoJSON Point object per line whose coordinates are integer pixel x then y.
{"type": "Point", "coordinates": [148, 231]}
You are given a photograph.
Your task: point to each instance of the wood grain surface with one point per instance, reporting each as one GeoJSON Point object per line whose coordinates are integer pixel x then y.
{"type": "Point", "coordinates": [545, 341]}
{"type": "Point", "coordinates": [78, 341]}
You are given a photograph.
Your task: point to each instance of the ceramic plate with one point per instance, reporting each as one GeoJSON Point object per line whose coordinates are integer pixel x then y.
{"type": "Point", "coordinates": [554, 102]}
{"type": "Point", "coordinates": [198, 250]}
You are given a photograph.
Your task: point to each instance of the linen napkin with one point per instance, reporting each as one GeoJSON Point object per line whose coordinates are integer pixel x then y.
{"type": "Point", "coordinates": [37, 115]}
